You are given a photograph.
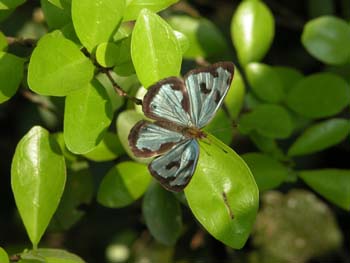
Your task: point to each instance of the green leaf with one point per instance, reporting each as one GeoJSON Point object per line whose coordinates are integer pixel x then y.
{"type": "Point", "coordinates": [235, 96]}
{"type": "Point", "coordinates": [162, 214]}
{"type": "Point", "coordinates": [124, 184]}
{"type": "Point", "coordinates": [326, 39]}
{"type": "Point", "coordinates": [268, 172]}
{"type": "Point", "coordinates": [205, 39]}
{"type": "Point", "coordinates": [134, 7]}
{"type": "Point", "coordinates": [265, 82]}
{"type": "Point", "coordinates": [11, 74]}
{"type": "Point", "coordinates": [320, 136]}
{"type": "Point", "coordinates": [87, 115]}
{"type": "Point", "coordinates": [57, 67]}
{"type": "Point", "coordinates": [252, 30]}
{"type": "Point", "coordinates": [69, 156]}
{"type": "Point", "coordinates": [155, 51]}
{"type": "Point", "coordinates": [333, 184]}
{"type": "Point", "coordinates": [223, 201]}
{"type": "Point", "coordinates": [312, 96]}
{"type": "Point", "coordinates": [56, 17]}
{"type": "Point", "coordinates": [50, 255]}
{"type": "Point", "coordinates": [10, 4]}
{"type": "Point", "coordinates": [107, 54]}
{"type": "Point", "coordinates": [4, 258]}
{"type": "Point", "coordinates": [288, 76]}
{"type": "Point", "coordinates": [3, 42]}
{"type": "Point", "coordinates": [108, 149]}
{"type": "Point", "coordinates": [221, 127]}
{"type": "Point", "coordinates": [183, 41]}
{"type": "Point", "coordinates": [61, 3]}
{"type": "Point", "coordinates": [269, 120]}
{"type": "Point", "coordinates": [38, 176]}
{"type": "Point", "coordinates": [96, 22]}
{"type": "Point", "coordinates": [267, 145]}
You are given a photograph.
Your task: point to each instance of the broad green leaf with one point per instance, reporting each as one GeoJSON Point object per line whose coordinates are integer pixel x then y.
{"type": "Point", "coordinates": [251, 101]}
{"type": "Point", "coordinates": [235, 96]}
{"type": "Point", "coordinates": [10, 4]}
{"type": "Point", "coordinates": [96, 22]}
{"type": "Point", "coordinates": [4, 258]}
{"type": "Point", "coordinates": [107, 54]}
{"type": "Point", "coordinates": [326, 38]}
{"type": "Point", "coordinates": [205, 39]}
{"type": "Point", "coordinates": [57, 67]}
{"type": "Point", "coordinates": [269, 120]}
{"type": "Point", "coordinates": [3, 42]}
{"type": "Point", "coordinates": [288, 76]}
{"type": "Point", "coordinates": [265, 82]}
{"type": "Point", "coordinates": [183, 41]}
{"type": "Point", "coordinates": [252, 30]}
{"type": "Point", "coordinates": [50, 255]}
{"type": "Point", "coordinates": [134, 7]}
{"type": "Point", "coordinates": [69, 33]}
{"type": "Point", "coordinates": [320, 7]}
{"type": "Point", "coordinates": [38, 176]}
{"type": "Point", "coordinates": [11, 74]}
{"type": "Point", "coordinates": [162, 214]}
{"type": "Point", "coordinates": [222, 194]}
{"type": "Point", "coordinates": [108, 149]}
{"type": "Point", "coordinates": [155, 51]}
{"type": "Point", "coordinates": [87, 115]}
{"type": "Point", "coordinates": [312, 96]}
{"type": "Point", "coordinates": [268, 172]}
{"type": "Point", "coordinates": [320, 136]}
{"type": "Point", "coordinates": [333, 184]}
{"type": "Point", "coordinates": [267, 145]}
{"type": "Point", "coordinates": [56, 17]}
{"type": "Point", "coordinates": [221, 127]}
{"type": "Point", "coordinates": [124, 184]}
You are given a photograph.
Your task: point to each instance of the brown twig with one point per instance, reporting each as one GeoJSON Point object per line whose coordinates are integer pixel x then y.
{"type": "Point", "coordinates": [27, 42]}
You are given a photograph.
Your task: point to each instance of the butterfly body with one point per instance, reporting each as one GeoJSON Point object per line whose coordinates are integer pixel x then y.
{"type": "Point", "coordinates": [180, 108]}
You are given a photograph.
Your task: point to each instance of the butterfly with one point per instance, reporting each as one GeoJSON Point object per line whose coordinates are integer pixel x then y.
{"type": "Point", "coordinates": [180, 108]}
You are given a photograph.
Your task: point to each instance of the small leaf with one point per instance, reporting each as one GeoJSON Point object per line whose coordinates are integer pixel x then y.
{"type": "Point", "coordinates": [333, 184]}
{"type": "Point", "coordinates": [124, 184]}
{"type": "Point", "coordinates": [10, 4]}
{"type": "Point", "coordinates": [38, 176]}
{"type": "Point", "coordinates": [3, 42]}
{"type": "Point", "coordinates": [326, 39]}
{"type": "Point", "coordinates": [235, 96]}
{"type": "Point", "coordinates": [205, 39]}
{"type": "Point", "coordinates": [69, 156]}
{"type": "Point", "coordinates": [252, 30]}
{"type": "Point", "coordinates": [96, 22]}
{"type": "Point", "coordinates": [268, 172]}
{"type": "Point", "coordinates": [87, 115]}
{"type": "Point", "coordinates": [288, 76]}
{"type": "Point", "coordinates": [269, 120]}
{"type": "Point", "coordinates": [162, 214]}
{"type": "Point", "coordinates": [221, 127]}
{"type": "Point", "coordinates": [133, 7]}
{"type": "Point", "coordinates": [11, 74]}
{"type": "Point", "coordinates": [56, 17]}
{"type": "Point", "coordinates": [267, 145]}
{"type": "Point", "coordinates": [4, 258]}
{"type": "Point", "coordinates": [155, 51]}
{"type": "Point", "coordinates": [57, 67]}
{"type": "Point", "coordinates": [183, 41]}
{"type": "Point", "coordinates": [222, 194]}
{"type": "Point", "coordinates": [107, 54]}
{"type": "Point", "coordinates": [320, 136]}
{"type": "Point", "coordinates": [312, 96]}
{"type": "Point", "coordinates": [265, 82]}
{"type": "Point", "coordinates": [50, 255]}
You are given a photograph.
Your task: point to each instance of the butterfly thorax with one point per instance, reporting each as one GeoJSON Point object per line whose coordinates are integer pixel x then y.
{"type": "Point", "coordinates": [187, 131]}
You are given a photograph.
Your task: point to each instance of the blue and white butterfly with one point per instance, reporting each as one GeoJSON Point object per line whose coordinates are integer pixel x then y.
{"type": "Point", "coordinates": [180, 108]}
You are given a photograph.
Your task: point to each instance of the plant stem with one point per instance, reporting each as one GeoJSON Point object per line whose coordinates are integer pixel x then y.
{"type": "Point", "coordinates": [27, 42]}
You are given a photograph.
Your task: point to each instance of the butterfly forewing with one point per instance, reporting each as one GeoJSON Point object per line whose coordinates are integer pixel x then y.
{"type": "Point", "coordinates": [207, 89]}
{"type": "Point", "coordinates": [174, 169]}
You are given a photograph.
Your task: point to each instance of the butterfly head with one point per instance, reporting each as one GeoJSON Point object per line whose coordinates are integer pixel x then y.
{"type": "Point", "coordinates": [194, 132]}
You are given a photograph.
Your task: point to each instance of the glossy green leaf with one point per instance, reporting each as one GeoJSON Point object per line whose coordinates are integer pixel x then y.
{"type": "Point", "coordinates": [3, 42]}
{"type": "Point", "coordinates": [326, 38]}
{"type": "Point", "coordinates": [38, 176]}
{"type": "Point", "coordinates": [87, 115]}
{"type": "Point", "coordinates": [320, 136]}
{"type": "Point", "coordinates": [134, 7]}
{"type": "Point", "coordinates": [205, 39]}
{"type": "Point", "coordinates": [4, 258]}
{"type": "Point", "coordinates": [9, 4]}
{"type": "Point", "coordinates": [252, 30]}
{"type": "Point", "coordinates": [265, 82]}
{"type": "Point", "coordinates": [50, 255]}
{"type": "Point", "coordinates": [268, 172]}
{"type": "Point", "coordinates": [124, 184]}
{"type": "Point", "coordinates": [11, 74]}
{"type": "Point", "coordinates": [333, 184]}
{"type": "Point", "coordinates": [222, 194]}
{"type": "Point", "coordinates": [96, 22]}
{"type": "Point", "coordinates": [57, 67]}
{"type": "Point", "coordinates": [183, 41]}
{"type": "Point", "coordinates": [108, 149]}
{"type": "Point", "coordinates": [269, 120]}
{"type": "Point", "coordinates": [288, 76]}
{"type": "Point", "coordinates": [162, 214]}
{"type": "Point", "coordinates": [155, 51]}
{"type": "Point", "coordinates": [312, 96]}
{"type": "Point", "coordinates": [235, 96]}
{"type": "Point", "coordinates": [56, 17]}
{"type": "Point", "coordinates": [107, 54]}
{"type": "Point", "coordinates": [221, 126]}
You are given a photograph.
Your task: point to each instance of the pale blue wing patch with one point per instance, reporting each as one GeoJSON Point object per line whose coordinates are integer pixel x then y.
{"type": "Point", "coordinates": [148, 139]}
{"type": "Point", "coordinates": [207, 89]}
{"type": "Point", "coordinates": [167, 100]}
{"type": "Point", "coordinates": [174, 169]}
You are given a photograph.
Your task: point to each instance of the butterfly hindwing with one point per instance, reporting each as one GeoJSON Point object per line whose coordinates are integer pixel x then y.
{"type": "Point", "coordinates": [174, 169]}
{"type": "Point", "coordinates": [207, 88]}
